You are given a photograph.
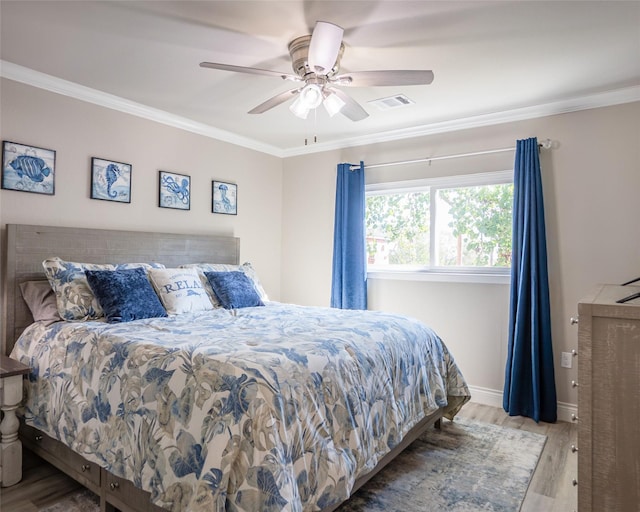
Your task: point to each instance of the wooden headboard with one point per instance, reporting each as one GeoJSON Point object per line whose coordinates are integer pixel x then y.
{"type": "Point", "coordinates": [27, 246]}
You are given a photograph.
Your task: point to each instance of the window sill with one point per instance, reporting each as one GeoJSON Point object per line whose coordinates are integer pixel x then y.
{"type": "Point", "coordinates": [443, 277]}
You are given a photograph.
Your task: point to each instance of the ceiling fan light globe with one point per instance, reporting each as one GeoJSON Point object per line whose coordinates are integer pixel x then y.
{"type": "Point", "coordinates": [333, 104]}
{"type": "Point", "coordinates": [299, 109]}
{"type": "Point", "coordinates": [311, 95]}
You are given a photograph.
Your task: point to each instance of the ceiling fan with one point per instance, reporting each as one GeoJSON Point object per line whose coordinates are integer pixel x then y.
{"type": "Point", "coordinates": [316, 62]}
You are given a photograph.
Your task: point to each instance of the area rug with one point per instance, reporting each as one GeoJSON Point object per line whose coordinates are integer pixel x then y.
{"type": "Point", "coordinates": [80, 501]}
{"type": "Point", "coordinates": [467, 466]}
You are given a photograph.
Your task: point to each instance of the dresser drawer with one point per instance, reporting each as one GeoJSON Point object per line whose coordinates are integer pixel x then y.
{"type": "Point", "coordinates": [61, 456]}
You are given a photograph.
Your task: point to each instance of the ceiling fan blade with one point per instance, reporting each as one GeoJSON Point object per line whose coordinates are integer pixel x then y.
{"type": "Point", "coordinates": [351, 108]}
{"type": "Point", "coordinates": [275, 101]}
{"type": "Point", "coordinates": [324, 47]}
{"type": "Point", "coordinates": [253, 71]}
{"type": "Point", "coordinates": [379, 78]}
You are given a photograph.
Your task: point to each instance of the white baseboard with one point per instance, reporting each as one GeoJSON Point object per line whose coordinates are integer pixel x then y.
{"type": "Point", "coordinates": [493, 398]}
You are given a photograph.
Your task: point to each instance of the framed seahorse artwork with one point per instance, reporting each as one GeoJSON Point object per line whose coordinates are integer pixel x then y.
{"type": "Point", "coordinates": [28, 168]}
{"type": "Point", "coordinates": [110, 180]}
{"type": "Point", "coordinates": [224, 197]}
{"type": "Point", "coordinates": [174, 190]}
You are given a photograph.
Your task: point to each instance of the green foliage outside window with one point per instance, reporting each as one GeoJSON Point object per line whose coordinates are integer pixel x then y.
{"type": "Point", "coordinates": [402, 221]}
{"type": "Point", "coordinates": [472, 227]}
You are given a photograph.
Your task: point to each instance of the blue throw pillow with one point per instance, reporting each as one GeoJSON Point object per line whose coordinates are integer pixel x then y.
{"type": "Point", "coordinates": [125, 295]}
{"type": "Point", "coordinates": [233, 289]}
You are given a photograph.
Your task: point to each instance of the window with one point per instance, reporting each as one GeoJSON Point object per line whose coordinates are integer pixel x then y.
{"type": "Point", "coordinates": [459, 224]}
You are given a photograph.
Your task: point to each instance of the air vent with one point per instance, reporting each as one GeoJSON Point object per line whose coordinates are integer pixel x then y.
{"type": "Point", "coordinates": [399, 100]}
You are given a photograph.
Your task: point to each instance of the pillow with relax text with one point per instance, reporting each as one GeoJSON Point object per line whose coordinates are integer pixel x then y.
{"type": "Point", "coordinates": [180, 290]}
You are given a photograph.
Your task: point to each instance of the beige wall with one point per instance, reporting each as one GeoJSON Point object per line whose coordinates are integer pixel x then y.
{"type": "Point", "coordinates": [79, 130]}
{"type": "Point", "coordinates": [285, 220]}
{"type": "Point", "coordinates": [591, 180]}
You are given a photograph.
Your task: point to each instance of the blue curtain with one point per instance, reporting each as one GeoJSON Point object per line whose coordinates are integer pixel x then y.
{"type": "Point", "coordinates": [529, 388]}
{"type": "Point", "coordinates": [349, 280]}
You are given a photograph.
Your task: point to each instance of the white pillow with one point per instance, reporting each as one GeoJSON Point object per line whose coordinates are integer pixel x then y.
{"type": "Point", "coordinates": [180, 290]}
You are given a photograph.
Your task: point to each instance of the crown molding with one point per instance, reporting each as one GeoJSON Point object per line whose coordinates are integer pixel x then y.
{"type": "Point", "coordinates": [50, 83]}
{"type": "Point", "coordinates": [34, 78]}
{"type": "Point", "coordinates": [604, 99]}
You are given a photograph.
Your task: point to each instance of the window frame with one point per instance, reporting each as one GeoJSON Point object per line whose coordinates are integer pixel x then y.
{"type": "Point", "coordinates": [497, 275]}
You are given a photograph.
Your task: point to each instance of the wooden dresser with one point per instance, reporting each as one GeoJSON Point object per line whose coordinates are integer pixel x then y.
{"type": "Point", "coordinates": [609, 401]}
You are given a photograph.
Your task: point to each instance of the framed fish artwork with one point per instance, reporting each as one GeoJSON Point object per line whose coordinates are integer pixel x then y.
{"type": "Point", "coordinates": [174, 190]}
{"type": "Point", "coordinates": [224, 198]}
{"type": "Point", "coordinates": [28, 168]}
{"type": "Point", "coordinates": [110, 181]}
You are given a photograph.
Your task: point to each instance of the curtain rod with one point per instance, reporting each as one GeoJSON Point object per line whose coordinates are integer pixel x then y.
{"type": "Point", "coordinates": [546, 145]}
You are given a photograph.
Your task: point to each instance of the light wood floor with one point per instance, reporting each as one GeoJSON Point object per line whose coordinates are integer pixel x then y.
{"type": "Point", "coordinates": [550, 489]}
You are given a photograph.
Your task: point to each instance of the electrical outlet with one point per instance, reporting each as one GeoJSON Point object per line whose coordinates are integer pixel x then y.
{"type": "Point", "coordinates": [566, 360]}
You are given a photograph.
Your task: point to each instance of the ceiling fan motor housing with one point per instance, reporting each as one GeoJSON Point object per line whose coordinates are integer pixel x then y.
{"type": "Point", "coordinates": [299, 51]}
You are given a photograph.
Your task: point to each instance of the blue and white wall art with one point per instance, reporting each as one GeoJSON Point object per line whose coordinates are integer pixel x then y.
{"type": "Point", "coordinates": [28, 168]}
{"type": "Point", "coordinates": [110, 181]}
{"type": "Point", "coordinates": [174, 190]}
{"type": "Point", "coordinates": [224, 198]}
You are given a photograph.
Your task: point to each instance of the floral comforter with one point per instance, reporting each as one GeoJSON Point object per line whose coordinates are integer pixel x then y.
{"type": "Point", "coordinates": [260, 409]}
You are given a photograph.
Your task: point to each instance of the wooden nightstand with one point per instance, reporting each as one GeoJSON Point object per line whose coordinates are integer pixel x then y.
{"type": "Point", "coordinates": [11, 374]}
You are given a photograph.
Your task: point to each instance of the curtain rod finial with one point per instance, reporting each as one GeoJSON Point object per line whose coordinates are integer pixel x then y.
{"type": "Point", "coordinates": [546, 144]}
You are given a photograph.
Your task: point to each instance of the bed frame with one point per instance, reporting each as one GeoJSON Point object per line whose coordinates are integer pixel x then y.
{"type": "Point", "coordinates": [27, 246]}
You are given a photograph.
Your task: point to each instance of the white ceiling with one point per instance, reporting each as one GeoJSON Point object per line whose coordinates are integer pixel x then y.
{"type": "Point", "coordinates": [489, 58]}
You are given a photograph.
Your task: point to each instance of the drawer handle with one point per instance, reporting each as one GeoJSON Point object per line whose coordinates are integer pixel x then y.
{"type": "Point", "coordinates": [574, 449]}
{"type": "Point", "coordinates": [85, 467]}
{"type": "Point", "coordinates": [114, 485]}
{"type": "Point", "coordinates": [574, 417]}
{"type": "Point", "coordinates": [574, 384]}
{"type": "Point", "coordinates": [574, 320]}
{"type": "Point", "coordinates": [574, 482]}
{"type": "Point", "coordinates": [38, 438]}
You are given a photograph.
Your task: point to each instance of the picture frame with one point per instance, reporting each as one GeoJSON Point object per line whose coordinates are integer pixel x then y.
{"type": "Point", "coordinates": [28, 168]}
{"type": "Point", "coordinates": [174, 190]}
{"type": "Point", "coordinates": [224, 197]}
{"type": "Point", "coordinates": [110, 180]}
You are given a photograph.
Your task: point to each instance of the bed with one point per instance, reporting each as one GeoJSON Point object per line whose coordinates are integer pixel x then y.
{"type": "Point", "coordinates": [272, 407]}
